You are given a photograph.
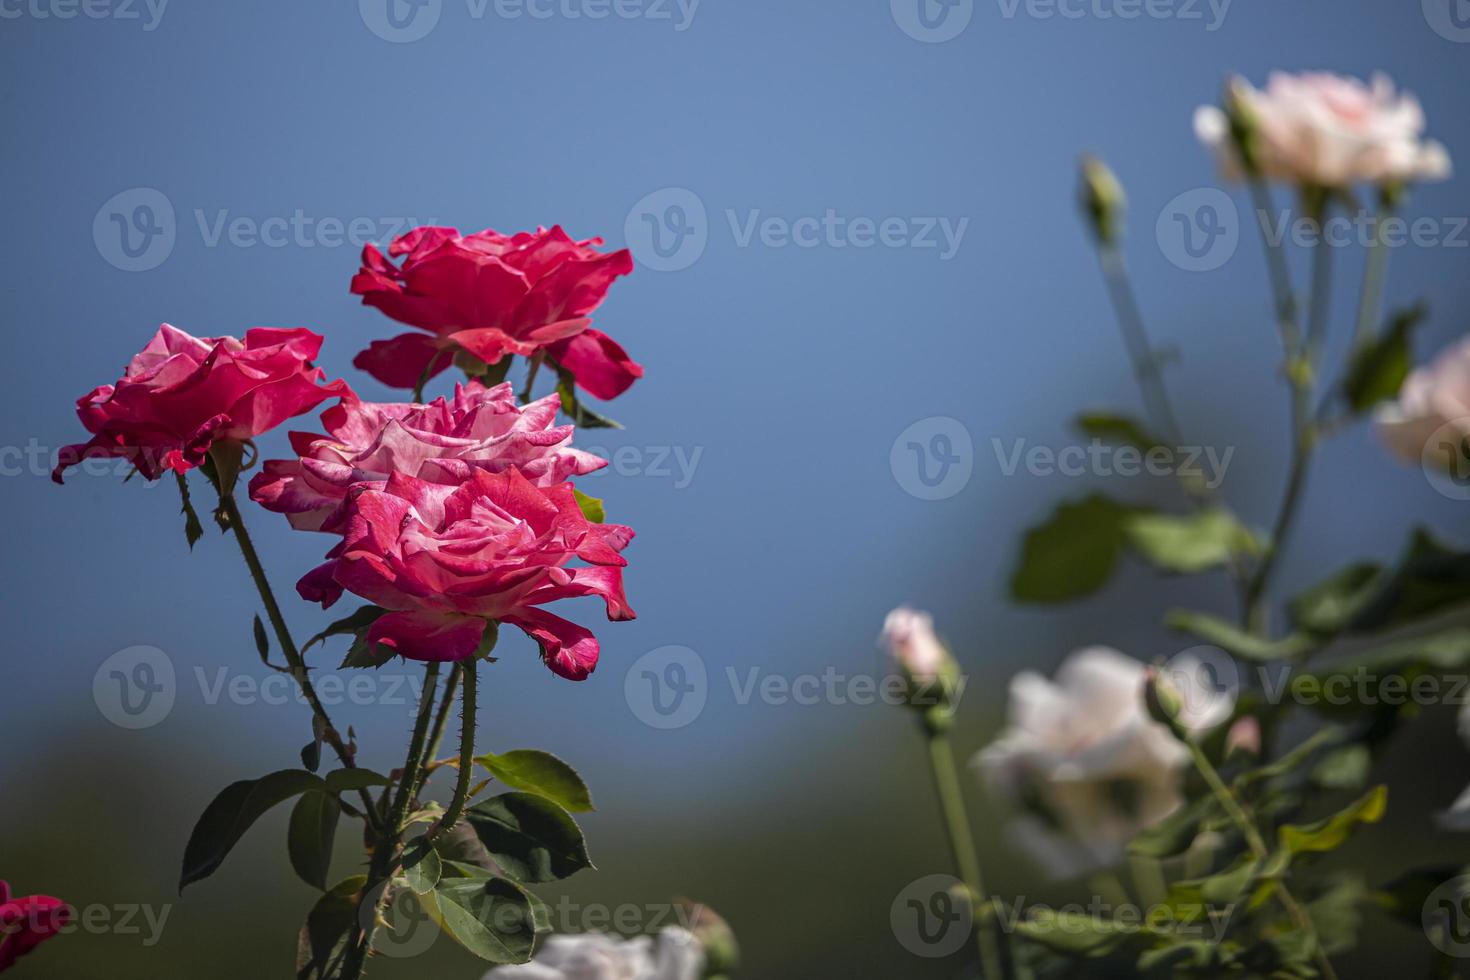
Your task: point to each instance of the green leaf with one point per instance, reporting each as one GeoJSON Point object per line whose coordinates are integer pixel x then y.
{"type": "Point", "coordinates": [309, 839]}
{"type": "Point", "coordinates": [1330, 833]}
{"type": "Point", "coordinates": [1404, 897]}
{"type": "Point", "coordinates": [460, 848]}
{"type": "Point", "coordinates": [193, 530]}
{"type": "Point", "coordinates": [326, 928]}
{"type": "Point", "coordinates": [262, 642]}
{"type": "Point", "coordinates": [421, 866]}
{"type": "Point", "coordinates": [1328, 607]}
{"type": "Point", "coordinates": [226, 455]}
{"type": "Point", "coordinates": [354, 624]}
{"type": "Point", "coordinates": [1073, 553]}
{"type": "Point", "coordinates": [1175, 833]}
{"type": "Point", "coordinates": [531, 838]}
{"type": "Point", "coordinates": [1248, 646]}
{"type": "Point", "coordinates": [1337, 913]}
{"type": "Point", "coordinates": [580, 414]}
{"type": "Point", "coordinates": [491, 917]}
{"type": "Point", "coordinates": [1191, 543]}
{"type": "Point", "coordinates": [352, 780]}
{"type": "Point", "coordinates": [1116, 429]}
{"type": "Point", "coordinates": [1346, 768]}
{"type": "Point", "coordinates": [1378, 369]}
{"type": "Point", "coordinates": [1428, 579]}
{"type": "Point", "coordinates": [1076, 934]}
{"type": "Point", "coordinates": [592, 508]}
{"type": "Point", "coordinates": [541, 773]}
{"type": "Point", "coordinates": [232, 812]}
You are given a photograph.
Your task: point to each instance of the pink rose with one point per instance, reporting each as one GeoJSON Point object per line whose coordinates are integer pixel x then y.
{"type": "Point", "coordinates": [1329, 131]}
{"type": "Point", "coordinates": [1433, 397]}
{"type": "Point", "coordinates": [181, 394]}
{"type": "Point", "coordinates": [444, 560]}
{"type": "Point", "coordinates": [442, 442]}
{"type": "Point", "coordinates": [910, 639]}
{"type": "Point", "coordinates": [494, 295]}
{"type": "Point", "coordinates": [27, 922]}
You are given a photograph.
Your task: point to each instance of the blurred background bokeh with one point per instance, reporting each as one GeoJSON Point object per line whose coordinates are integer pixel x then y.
{"type": "Point", "coordinates": [773, 531]}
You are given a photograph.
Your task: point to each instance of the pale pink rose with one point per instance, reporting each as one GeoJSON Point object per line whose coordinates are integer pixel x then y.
{"type": "Point", "coordinates": [1070, 746]}
{"type": "Point", "coordinates": [673, 954]}
{"type": "Point", "coordinates": [442, 442]}
{"type": "Point", "coordinates": [1328, 130]}
{"type": "Point", "coordinates": [909, 637]}
{"type": "Point", "coordinates": [1432, 397]}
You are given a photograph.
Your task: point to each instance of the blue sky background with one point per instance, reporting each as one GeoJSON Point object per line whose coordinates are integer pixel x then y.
{"type": "Point", "coordinates": [789, 370]}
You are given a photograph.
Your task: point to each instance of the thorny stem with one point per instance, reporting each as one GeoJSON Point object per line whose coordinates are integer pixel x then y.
{"type": "Point", "coordinates": [466, 756]}
{"type": "Point", "coordinates": [441, 722]}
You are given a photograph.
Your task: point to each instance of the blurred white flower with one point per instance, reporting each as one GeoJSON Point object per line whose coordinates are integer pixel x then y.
{"type": "Point", "coordinates": [1085, 760]}
{"type": "Point", "coordinates": [1432, 397]}
{"type": "Point", "coordinates": [673, 955]}
{"type": "Point", "coordinates": [1205, 681]}
{"type": "Point", "coordinates": [909, 636]}
{"type": "Point", "coordinates": [1326, 130]}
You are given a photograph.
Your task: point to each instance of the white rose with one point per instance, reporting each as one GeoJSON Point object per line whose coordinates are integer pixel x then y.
{"type": "Point", "coordinates": [673, 955]}
{"type": "Point", "coordinates": [1328, 130]}
{"type": "Point", "coordinates": [1432, 397]}
{"type": "Point", "coordinates": [909, 636]}
{"type": "Point", "coordinates": [1086, 758]}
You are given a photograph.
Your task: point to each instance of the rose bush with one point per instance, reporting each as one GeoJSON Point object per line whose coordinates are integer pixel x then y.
{"type": "Point", "coordinates": [1326, 130]}
{"type": "Point", "coordinates": [446, 560]}
{"type": "Point", "coordinates": [494, 295]}
{"type": "Point", "coordinates": [27, 922]}
{"type": "Point", "coordinates": [181, 394]}
{"type": "Point", "coordinates": [444, 441]}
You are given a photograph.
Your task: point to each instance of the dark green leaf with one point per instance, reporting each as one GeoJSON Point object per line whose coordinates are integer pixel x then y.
{"type": "Point", "coordinates": [1328, 607]}
{"type": "Point", "coordinates": [1073, 553]}
{"type": "Point", "coordinates": [1429, 578]}
{"type": "Point", "coordinates": [326, 928]}
{"type": "Point", "coordinates": [491, 917]}
{"type": "Point", "coordinates": [1346, 768]}
{"type": "Point", "coordinates": [530, 837]}
{"type": "Point", "coordinates": [1116, 429]}
{"type": "Point", "coordinates": [311, 755]}
{"type": "Point", "coordinates": [1330, 833]}
{"type": "Point", "coordinates": [354, 624]}
{"type": "Point", "coordinates": [1190, 543]}
{"type": "Point", "coordinates": [541, 773]}
{"type": "Point", "coordinates": [1176, 832]}
{"type": "Point", "coordinates": [1378, 369]}
{"type": "Point", "coordinates": [262, 642]}
{"type": "Point", "coordinates": [309, 841]}
{"type": "Point", "coordinates": [351, 780]}
{"type": "Point", "coordinates": [460, 847]}
{"type": "Point", "coordinates": [232, 812]}
{"type": "Point", "coordinates": [1232, 639]}
{"type": "Point", "coordinates": [193, 530]}
{"type": "Point", "coordinates": [1078, 934]}
{"type": "Point", "coordinates": [421, 866]}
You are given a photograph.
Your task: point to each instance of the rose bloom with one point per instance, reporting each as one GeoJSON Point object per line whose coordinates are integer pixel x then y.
{"type": "Point", "coordinates": [909, 638]}
{"type": "Point", "coordinates": [442, 442]}
{"type": "Point", "coordinates": [1432, 397]}
{"type": "Point", "coordinates": [494, 295]}
{"type": "Point", "coordinates": [1329, 131]}
{"type": "Point", "coordinates": [1084, 755]}
{"type": "Point", "coordinates": [673, 954]}
{"type": "Point", "coordinates": [182, 394]}
{"type": "Point", "coordinates": [27, 922]}
{"type": "Point", "coordinates": [445, 560]}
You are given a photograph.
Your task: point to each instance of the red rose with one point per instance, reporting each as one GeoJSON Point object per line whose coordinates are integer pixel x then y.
{"type": "Point", "coordinates": [27, 922]}
{"type": "Point", "coordinates": [494, 295]}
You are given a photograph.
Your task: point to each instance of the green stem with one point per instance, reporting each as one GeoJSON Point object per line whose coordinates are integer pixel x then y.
{"type": "Point", "coordinates": [1374, 277]}
{"type": "Point", "coordinates": [1145, 359]}
{"type": "Point", "coordinates": [1257, 845]}
{"type": "Point", "coordinates": [441, 721]}
{"type": "Point", "coordinates": [466, 756]}
{"type": "Point", "coordinates": [962, 849]}
{"type": "Point", "coordinates": [1286, 305]}
{"type": "Point", "coordinates": [385, 855]}
{"type": "Point", "coordinates": [293, 656]}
